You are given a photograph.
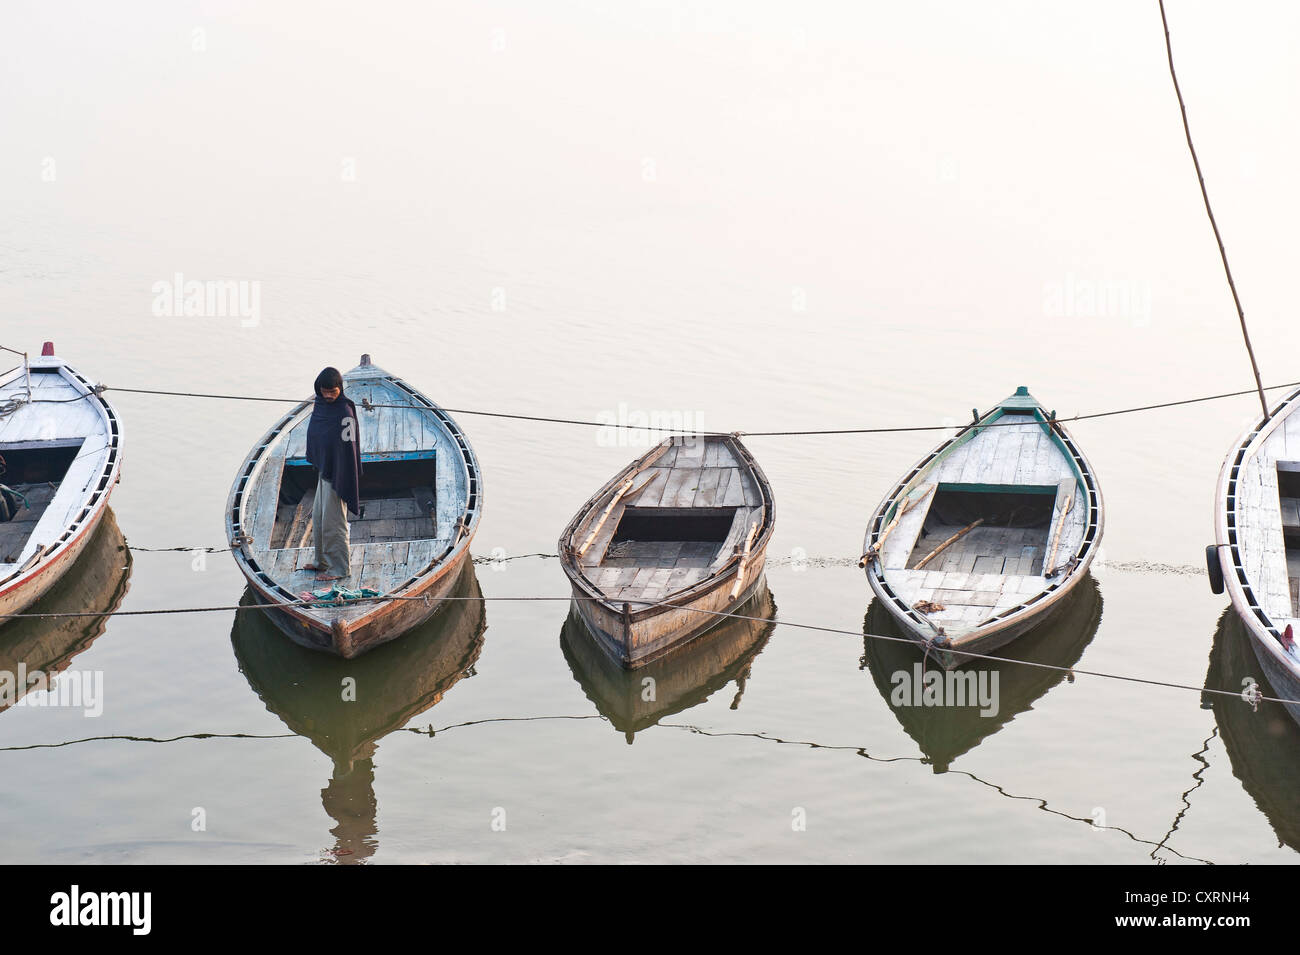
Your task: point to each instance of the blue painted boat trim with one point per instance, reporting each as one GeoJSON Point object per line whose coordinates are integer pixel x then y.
{"type": "Point", "coordinates": [1000, 488]}
{"type": "Point", "coordinates": [372, 457]}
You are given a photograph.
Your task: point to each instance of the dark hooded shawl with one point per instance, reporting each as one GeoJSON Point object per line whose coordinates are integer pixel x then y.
{"type": "Point", "coordinates": [337, 460]}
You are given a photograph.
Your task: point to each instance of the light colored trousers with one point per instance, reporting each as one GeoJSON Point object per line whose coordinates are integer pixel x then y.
{"type": "Point", "coordinates": [329, 524]}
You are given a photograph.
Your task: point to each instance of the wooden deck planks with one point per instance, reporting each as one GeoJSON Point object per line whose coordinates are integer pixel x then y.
{"type": "Point", "coordinates": [260, 517]}
{"type": "Point", "coordinates": [690, 455]}
{"type": "Point", "coordinates": [736, 494]}
{"type": "Point", "coordinates": [689, 486]}
{"type": "Point", "coordinates": [707, 489]}
{"type": "Point", "coordinates": [673, 487]}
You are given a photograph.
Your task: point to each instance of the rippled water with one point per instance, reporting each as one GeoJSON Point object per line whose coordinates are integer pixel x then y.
{"type": "Point", "coordinates": [733, 216]}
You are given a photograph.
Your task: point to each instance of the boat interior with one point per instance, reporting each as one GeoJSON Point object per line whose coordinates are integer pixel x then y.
{"type": "Point", "coordinates": [669, 537]}
{"type": "Point", "coordinates": [691, 509]}
{"type": "Point", "coordinates": [417, 493]}
{"type": "Point", "coordinates": [34, 471]}
{"type": "Point", "coordinates": [398, 502]}
{"type": "Point", "coordinates": [1011, 538]}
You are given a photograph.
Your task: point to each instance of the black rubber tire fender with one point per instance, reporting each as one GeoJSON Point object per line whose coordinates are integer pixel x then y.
{"type": "Point", "coordinates": [1214, 568]}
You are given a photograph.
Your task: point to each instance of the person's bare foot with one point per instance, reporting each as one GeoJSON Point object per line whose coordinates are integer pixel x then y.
{"type": "Point", "coordinates": [319, 567]}
{"type": "Point", "coordinates": [327, 576]}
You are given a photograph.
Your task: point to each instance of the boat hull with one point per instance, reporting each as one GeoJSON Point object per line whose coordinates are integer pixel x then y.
{"type": "Point", "coordinates": [984, 640]}
{"type": "Point", "coordinates": [23, 593]}
{"type": "Point", "coordinates": [650, 572]}
{"type": "Point", "coordinates": [1251, 549]}
{"type": "Point", "coordinates": [638, 640]}
{"type": "Point", "coordinates": [391, 621]}
{"type": "Point", "coordinates": [24, 587]}
{"type": "Point", "coordinates": [1283, 679]}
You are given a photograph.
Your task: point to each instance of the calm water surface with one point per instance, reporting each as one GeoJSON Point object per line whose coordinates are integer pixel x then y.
{"type": "Point", "coordinates": [736, 215]}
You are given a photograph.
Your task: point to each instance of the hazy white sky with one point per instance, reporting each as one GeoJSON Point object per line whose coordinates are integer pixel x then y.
{"type": "Point", "coordinates": [876, 211]}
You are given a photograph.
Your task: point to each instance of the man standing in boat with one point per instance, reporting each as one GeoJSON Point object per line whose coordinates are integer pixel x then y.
{"type": "Point", "coordinates": [334, 448]}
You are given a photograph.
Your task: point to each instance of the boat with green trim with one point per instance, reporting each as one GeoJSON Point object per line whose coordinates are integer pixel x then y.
{"type": "Point", "coordinates": [986, 534]}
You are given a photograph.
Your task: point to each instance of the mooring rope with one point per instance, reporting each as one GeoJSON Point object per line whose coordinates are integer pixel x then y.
{"type": "Point", "coordinates": [1205, 195]}
{"type": "Point", "coordinates": [758, 434]}
{"type": "Point", "coordinates": [800, 564]}
{"type": "Point", "coordinates": [1071, 672]}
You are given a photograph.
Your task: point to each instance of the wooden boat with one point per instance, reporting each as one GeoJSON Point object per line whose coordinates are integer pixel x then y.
{"type": "Point", "coordinates": [1263, 744]}
{"type": "Point", "coordinates": [61, 449]}
{"type": "Point", "coordinates": [96, 582]}
{"type": "Point", "coordinates": [682, 679]}
{"type": "Point", "coordinates": [1257, 550]}
{"type": "Point", "coordinates": [675, 537]}
{"type": "Point", "coordinates": [946, 732]}
{"type": "Point", "coordinates": [393, 685]}
{"type": "Point", "coordinates": [422, 497]}
{"type": "Point", "coordinates": [987, 533]}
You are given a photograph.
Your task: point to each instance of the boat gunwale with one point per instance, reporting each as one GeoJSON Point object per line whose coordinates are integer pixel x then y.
{"type": "Point", "coordinates": [1033, 604]}
{"type": "Point", "coordinates": [682, 599]}
{"type": "Point", "coordinates": [73, 535]}
{"type": "Point", "coordinates": [1259, 624]}
{"type": "Point", "coordinates": [450, 559]}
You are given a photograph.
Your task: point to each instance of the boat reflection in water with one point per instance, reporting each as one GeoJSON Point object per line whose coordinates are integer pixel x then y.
{"type": "Point", "coordinates": [944, 732]}
{"type": "Point", "coordinates": [393, 683]}
{"type": "Point", "coordinates": [96, 582]}
{"type": "Point", "coordinates": [684, 678]}
{"type": "Point", "coordinates": [1263, 746]}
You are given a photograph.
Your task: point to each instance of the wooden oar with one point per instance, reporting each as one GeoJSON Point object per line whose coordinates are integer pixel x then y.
{"type": "Point", "coordinates": [744, 557]}
{"type": "Point", "coordinates": [951, 540]}
{"type": "Point", "coordinates": [908, 503]}
{"type": "Point", "coordinates": [1056, 537]}
{"type": "Point", "coordinates": [622, 491]}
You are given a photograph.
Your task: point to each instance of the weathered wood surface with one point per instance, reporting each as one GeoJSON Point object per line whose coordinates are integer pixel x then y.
{"type": "Point", "coordinates": [63, 411]}
{"type": "Point", "coordinates": [400, 548]}
{"type": "Point", "coordinates": [992, 581]}
{"type": "Point", "coordinates": [713, 471]}
{"type": "Point", "coordinates": [1251, 523]}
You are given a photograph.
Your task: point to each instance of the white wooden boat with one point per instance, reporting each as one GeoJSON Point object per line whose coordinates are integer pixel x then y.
{"type": "Point", "coordinates": [1257, 550]}
{"type": "Point", "coordinates": [61, 445]}
{"type": "Point", "coordinates": [987, 533]}
{"type": "Point", "coordinates": [676, 536]}
{"type": "Point", "coordinates": [422, 497]}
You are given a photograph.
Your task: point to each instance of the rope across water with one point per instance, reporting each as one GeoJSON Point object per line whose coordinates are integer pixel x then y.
{"type": "Point", "coordinates": [647, 604]}
{"type": "Point", "coordinates": [898, 429]}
